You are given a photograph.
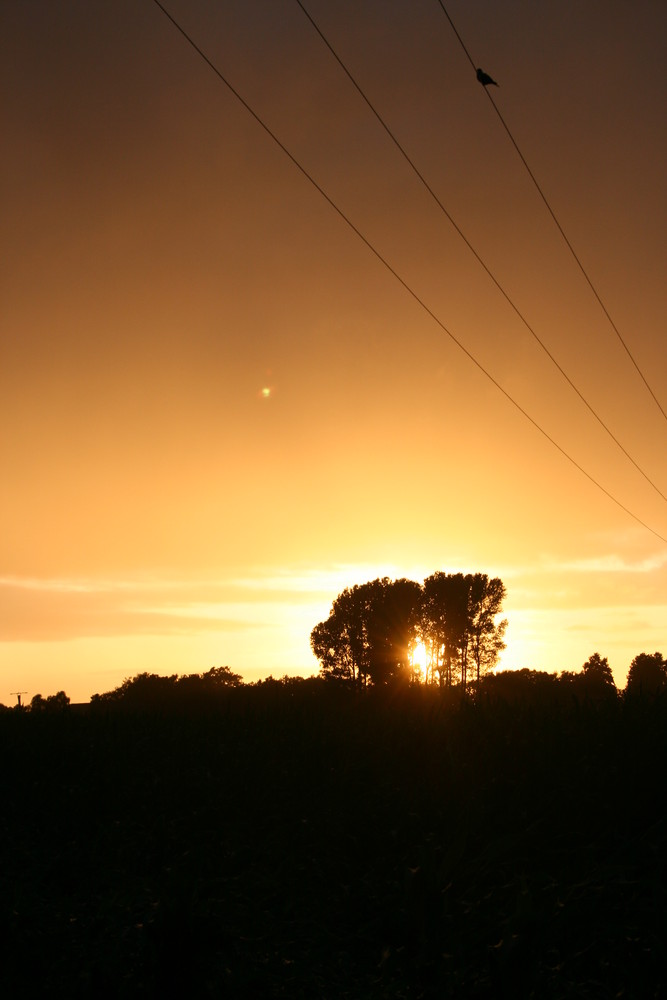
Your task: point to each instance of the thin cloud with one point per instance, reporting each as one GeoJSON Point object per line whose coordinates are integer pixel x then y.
{"type": "Point", "coordinates": [612, 563]}
{"type": "Point", "coordinates": [59, 613]}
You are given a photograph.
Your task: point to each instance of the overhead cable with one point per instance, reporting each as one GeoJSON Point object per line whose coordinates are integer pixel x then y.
{"type": "Point", "coordinates": [395, 273]}
{"type": "Point", "coordinates": [477, 256]}
{"type": "Point", "coordinates": [542, 195]}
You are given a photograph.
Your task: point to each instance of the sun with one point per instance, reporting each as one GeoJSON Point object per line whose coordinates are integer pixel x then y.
{"type": "Point", "coordinates": [420, 658]}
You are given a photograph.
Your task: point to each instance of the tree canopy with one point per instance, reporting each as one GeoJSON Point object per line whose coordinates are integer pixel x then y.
{"type": "Point", "coordinates": [146, 689]}
{"type": "Point", "coordinates": [371, 632]}
{"type": "Point", "coordinates": [647, 674]}
{"type": "Point", "coordinates": [53, 703]}
{"type": "Point", "coordinates": [373, 629]}
{"type": "Point", "coordinates": [597, 679]}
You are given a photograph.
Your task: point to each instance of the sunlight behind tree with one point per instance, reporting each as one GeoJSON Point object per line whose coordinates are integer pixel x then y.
{"type": "Point", "coordinates": [420, 660]}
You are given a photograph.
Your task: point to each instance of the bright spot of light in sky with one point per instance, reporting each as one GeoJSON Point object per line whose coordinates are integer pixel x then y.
{"type": "Point", "coordinates": [420, 657]}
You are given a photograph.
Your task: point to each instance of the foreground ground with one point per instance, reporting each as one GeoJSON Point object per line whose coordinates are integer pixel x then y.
{"type": "Point", "coordinates": [306, 844]}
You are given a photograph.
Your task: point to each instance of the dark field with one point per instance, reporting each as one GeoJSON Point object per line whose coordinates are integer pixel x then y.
{"type": "Point", "coordinates": [312, 843]}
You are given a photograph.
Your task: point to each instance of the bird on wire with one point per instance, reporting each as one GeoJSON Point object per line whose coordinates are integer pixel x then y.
{"type": "Point", "coordinates": [485, 79]}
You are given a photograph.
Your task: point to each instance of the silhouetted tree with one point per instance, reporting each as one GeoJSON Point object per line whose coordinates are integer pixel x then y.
{"type": "Point", "coordinates": [530, 687]}
{"type": "Point", "coordinates": [458, 624]}
{"type": "Point", "coordinates": [373, 628]}
{"type": "Point", "coordinates": [647, 674]}
{"type": "Point", "coordinates": [370, 633]}
{"type": "Point", "coordinates": [596, 680]}
{"type": "Point", "coordinates": [144, 690]}
{"type": "Point", "coordinates": [57, 702]}
{"type": "Point", "coordinates": [444, 617]}
{"type": "Point", "coordinates": [54, 703]}
{"type": "Point", "coordinates": [486, 640]}
{"type": "Point", "coordinates": [153, 690]}
{"type": "Point", "coordinates": [339, 643]}
{"type": "Point", "coordinates": [211, 683]}
{"type": "Point", "coordinates": [391, 610]}
{"type": "Point", "coordinates": [221, 677]}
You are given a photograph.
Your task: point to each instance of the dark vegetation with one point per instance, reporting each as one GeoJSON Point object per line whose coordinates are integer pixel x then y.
{"type": "Point", "coordinates": [297, 838]}
{"type": "Point", "coordinates": [371, 633]}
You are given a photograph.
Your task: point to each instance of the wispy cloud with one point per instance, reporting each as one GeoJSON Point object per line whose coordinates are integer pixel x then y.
{"type": "Point", "coordinates": [56, 610]}
{"type": "Point", "coordinates": [59, 608]}
{"type": "Point", "coordinates": [612, 563]}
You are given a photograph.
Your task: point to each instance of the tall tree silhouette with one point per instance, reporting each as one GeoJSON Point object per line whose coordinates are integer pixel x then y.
{"type": "Point", "coordinates": [373, 628]}
{"type": "Point", "coordinates": [486, 638]}
{"type": "Point", "coordinates": [370, 634]}
{"type": "Point", "coordinates": [53, 703]}
{"type": "Point", "coordinates": [458, 623]}
{"type": "Point", "coordinates": [647, 674]}
{"type": "Point", "coordinates": [444, 617]}
{"type": "Point", "coordinates": [339, 643]}
{"type": "Point", "coordinates": [392, 611]}
{"type": "Point", "coordinates": [597, 680]}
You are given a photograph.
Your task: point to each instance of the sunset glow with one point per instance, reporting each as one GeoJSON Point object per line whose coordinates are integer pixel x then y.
{"type": "Point", "coordinates": [420, 658]}
{"type": "Point", "coordinates": [220, 407]}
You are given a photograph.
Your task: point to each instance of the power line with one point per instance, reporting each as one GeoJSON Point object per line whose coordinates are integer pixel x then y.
{"type": "Point", "coordinates": [553, 216]}
{"type": "Point", "coordinates": [395, 273]}
{"type": "Point", "coordinates": [477, 256]}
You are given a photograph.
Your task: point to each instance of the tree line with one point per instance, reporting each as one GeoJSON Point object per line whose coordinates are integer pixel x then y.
{"type": "Point", "coordinates": [147, 690]}
{"type": "Point", "coordinates": [647, 676]}
{"type": "Point", "coordinates": [374, 629]}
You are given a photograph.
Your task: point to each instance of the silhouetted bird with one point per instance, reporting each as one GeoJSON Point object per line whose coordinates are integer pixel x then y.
{"type": "Point", "coordinates": [485, 79]}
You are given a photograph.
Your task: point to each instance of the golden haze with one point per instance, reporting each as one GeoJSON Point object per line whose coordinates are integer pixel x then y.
{"type": "Point", "coordinates": [219, 408]}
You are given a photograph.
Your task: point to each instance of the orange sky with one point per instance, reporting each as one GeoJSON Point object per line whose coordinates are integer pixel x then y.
{"type": "Point", "coordinates": [164, 261]}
